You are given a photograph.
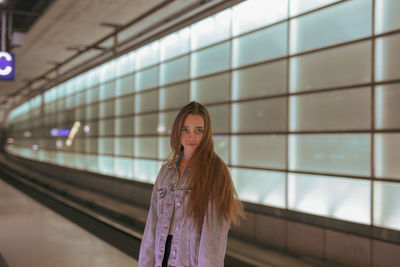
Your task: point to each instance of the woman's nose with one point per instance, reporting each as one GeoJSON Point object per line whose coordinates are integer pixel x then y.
{"type": "Point", "coordinates": [192, 136]}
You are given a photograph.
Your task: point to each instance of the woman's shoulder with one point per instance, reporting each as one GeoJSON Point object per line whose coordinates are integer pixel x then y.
{"type": "Point", "coordinates": [165, 171]}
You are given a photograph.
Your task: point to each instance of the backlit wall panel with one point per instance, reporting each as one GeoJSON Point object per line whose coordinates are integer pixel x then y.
{"type": "Point", "coordinates": [303, 95]}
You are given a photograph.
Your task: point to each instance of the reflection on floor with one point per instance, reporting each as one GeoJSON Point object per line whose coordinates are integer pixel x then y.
{"type": "Point", "coordinates": [33, 235]}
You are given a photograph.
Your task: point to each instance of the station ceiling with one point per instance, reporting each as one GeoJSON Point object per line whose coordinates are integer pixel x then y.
{"type": "Point", "coordinates": [58, 30]}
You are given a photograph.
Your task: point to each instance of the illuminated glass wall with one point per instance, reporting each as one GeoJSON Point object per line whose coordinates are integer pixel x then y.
{"type": "Point", "coordinates": [303, 95]}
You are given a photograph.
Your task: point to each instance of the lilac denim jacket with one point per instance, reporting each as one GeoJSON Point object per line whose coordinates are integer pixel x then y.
{"type": "Point", "coordinates": [204, 246]}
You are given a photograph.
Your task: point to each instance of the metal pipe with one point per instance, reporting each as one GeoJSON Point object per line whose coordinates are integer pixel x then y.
{"type": "Point", "coordinates": [3, 31]}
{"type": "Point", "coordinates": [9, 35]}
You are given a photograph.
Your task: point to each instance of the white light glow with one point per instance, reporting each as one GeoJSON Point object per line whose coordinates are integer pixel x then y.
{"type": "Point", "coordinates": [161, 129]}
{"type": "Point", "coordinates": [86, 128]}
{"type": "Point", "coordinates": [292, 113]}
{"type": "Point", "coordinates": [300, 6]}
{"type": "Point", "coordinates": [27, 134]}
{"type": "Point", "coordinates": [254, 14]}
{"type": "Point", "coordinates": [292, 152]}
{"type": "Point", "coordinates": [10, 140]}
{"type": "Point", "coordinates": [380, 59]}
{"type": "Point", "coordinates": [35, 147]}
{"type": "Point", "coordinates": [73, 132]}
{"type": "Point", "coordinates": [59, 144]}
{"type": "Point", "coordinates": [379, 16]}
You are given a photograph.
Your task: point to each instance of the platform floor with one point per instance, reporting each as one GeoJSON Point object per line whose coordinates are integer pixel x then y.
{"type": "Point", "coordinates": [33, 235]}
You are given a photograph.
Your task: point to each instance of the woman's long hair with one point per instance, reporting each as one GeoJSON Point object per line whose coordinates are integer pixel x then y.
{"type": "Point", "coordinates": [209, 178]}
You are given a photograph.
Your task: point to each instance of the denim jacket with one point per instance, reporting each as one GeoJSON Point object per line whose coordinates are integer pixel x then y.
{"type": "Point", "coordinates": [202, 246]}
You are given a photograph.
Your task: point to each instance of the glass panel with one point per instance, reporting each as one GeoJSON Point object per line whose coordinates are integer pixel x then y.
{"type": "Point", "coordinates": [106, 145]}
{"type": "Point", "coordinates": [387, 106]}
{"type": "Point", "coordinates": [147, 55]}
{"type": "Point", "coordinates": [166, 121]}
{"type": "Point", "coordinates": [107, 71]}
{"type": "Point", "coordinates": [386, 208]}
{"type": "Point", "coordinates": [107, 90]}
{"type": "Point", "coordinates": [146, 147]}
{"type": "Point", "coordinates": [106, 164]}
{"type": "Point", "coordinates": [211, 30]}
{"type": "Point", "coordinates": [164, 147]}
{"type": "Point", "coordinates": [253, 14]}
{"type": "Point", "coordinates": [80, 98]}
{"type": "Point", "coordinates": [265, 151]}
{"type": "Point", "coordinates": [345, 110]}
{"type": "Point", "coordinates": [147, 101]}
{"type": "Point", "coordinates": [146, 124]}
{"type": "Point", "coordinates": [210, 60]}
{"type": "Point", "coordinates": [69, 103]}
{"type": "Point", "coordinates": [146, 79]}
{"type": "Point", "coordinates": [260, 116]}
{"type": "Point", "coordinates": [329, 153]}
{"type": "Point", "coordinates": [79, 144]}
{"type": "Point", "coordinates": [340, 66]}
{"type": "Point", "coordinates": [146, 170]}
{"type": "Point", "coordinates": [69, 159]}
{"type": "Point", "coordinates": [211, 89]}
{"type": "Point", "coordinates": [175, 96]}
{"type": "Point", "coordinates": [301, 6]}
{"type": "Point", "coordinates": [92, 128]}
{"type": "Point", "coordinates": [125, 85]}
{"type": "Point", "coordinates": [80, 161]}
{"type": "Point", "coordinates": [220, 117]}
{"type": "Point", "coordinates": [386, 15]}
{"type": "Point", "coordinates": [125, 105]}
{"type": "Point", "coordinates": [387, 65]}
{"type": "Point", "coordinates": [173, 71]}
{"type": "Point", "coordinates": [264, 187]}
{"type": "Point", "coordinates": [106, 127]}
{"type": "Point", "coordinates": [387, 154]}
{"type": "Point", "coordinates": [92, 95]}
{"type": "Point", "coordinates": [261, 45]}
{"type": "Point", "coordinates": [340, 198]}
{"type": "Point", "coordinates": [92, 145]}
{"type": "Point", "coordinates": [124, 126]}
{"type": "Point", "coordinates": [92, 163]}
{"type": "Point", "coordinates": [92, 111]}
{"type": "Point", "coordinates": [267, 79]}
{"type": "Point", "coordinates": [61, 105]}
{"type": "Point", "coordinates": [107, 109]}
{"type": "Point", "coordinates": [126, 64]}
{"type": "Point", "coordinates": [344, 22]}
{"type": "Point", "coordinates": [221, 147]}
{"type": "Point", "coordinates": [175, 44]}
{"type": "Point", "coordinates": [123, 167]}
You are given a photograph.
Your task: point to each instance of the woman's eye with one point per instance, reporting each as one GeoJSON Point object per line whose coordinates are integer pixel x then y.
{"type": "Point", "coordinates": [199, 131]}
{"type": "Point", "coordinates": [185, 130]}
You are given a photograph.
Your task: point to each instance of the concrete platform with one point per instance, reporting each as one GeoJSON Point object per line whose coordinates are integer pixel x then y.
{"type": "Point", "coordinates": [33, 235]}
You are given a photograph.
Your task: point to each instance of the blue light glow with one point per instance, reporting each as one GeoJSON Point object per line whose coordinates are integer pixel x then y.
{"type": "Point", "coordinates": [59, 132]}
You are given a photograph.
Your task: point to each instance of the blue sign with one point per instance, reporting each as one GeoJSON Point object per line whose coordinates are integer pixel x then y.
{"type": "Point", "coordinates": [7, 65]}
{"type": "Point", "coordinates": [59, 132]}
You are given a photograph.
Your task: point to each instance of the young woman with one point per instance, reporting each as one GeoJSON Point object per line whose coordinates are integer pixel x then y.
{"type": "Point", "coordinates": [193, 201]}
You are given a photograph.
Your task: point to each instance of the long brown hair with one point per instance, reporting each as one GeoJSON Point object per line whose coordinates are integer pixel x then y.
{"type": "Point", "coordinates": [209, 178]}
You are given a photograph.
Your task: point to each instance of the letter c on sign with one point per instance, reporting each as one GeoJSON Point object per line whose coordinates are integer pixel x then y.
{"type": "Point", "coordinates": [8, 69]}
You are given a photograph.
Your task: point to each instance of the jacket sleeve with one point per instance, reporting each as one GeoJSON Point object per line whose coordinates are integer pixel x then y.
{"type": "Point", "coordinates": [147, 246]}
{"type": "Point", "coordinates": [213, 239]}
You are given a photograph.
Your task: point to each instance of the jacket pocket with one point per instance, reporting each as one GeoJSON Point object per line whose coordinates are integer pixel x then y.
{"type": "Point", "coordinates": [160, 200]}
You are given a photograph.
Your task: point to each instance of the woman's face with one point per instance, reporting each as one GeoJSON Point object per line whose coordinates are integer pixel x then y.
{"type": "Point", "coordinates": [192, 133]}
